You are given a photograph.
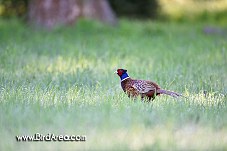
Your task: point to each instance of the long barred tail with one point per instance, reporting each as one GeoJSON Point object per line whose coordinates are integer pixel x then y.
{"type": "Point", "coordinates": [171, 93]}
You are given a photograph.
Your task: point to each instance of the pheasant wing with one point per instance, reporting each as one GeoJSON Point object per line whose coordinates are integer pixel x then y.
{"type": "Point", "coordinates": [143, 86]}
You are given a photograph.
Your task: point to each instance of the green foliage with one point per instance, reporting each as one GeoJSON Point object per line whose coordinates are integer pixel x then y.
{"type": "Point", "coordinates": [62, 82]}
{"type": "Point", "coordinates": [180, 11]}
{"type": "Point", "coordinates": [219, 16]}
{"type": "Point", "coordinates": [194, 10]}
{"type": "Point", "coordinates": [136, 8]}
{"type": "Point", "coordinates": [13, 8]}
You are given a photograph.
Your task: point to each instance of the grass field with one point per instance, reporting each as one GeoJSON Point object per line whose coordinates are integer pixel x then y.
{"type": "Point", "coordinates": [62, 82]}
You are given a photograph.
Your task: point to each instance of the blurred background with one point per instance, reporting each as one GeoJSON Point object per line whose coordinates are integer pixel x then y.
{"type": "Point", "coordinates": [50, 13]}
{"type": "Point", "coordinates": [57, 59]}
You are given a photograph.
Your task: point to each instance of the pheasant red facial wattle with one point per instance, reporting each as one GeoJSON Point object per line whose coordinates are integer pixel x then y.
{"type": "Point", "coordinates": [143, 88]}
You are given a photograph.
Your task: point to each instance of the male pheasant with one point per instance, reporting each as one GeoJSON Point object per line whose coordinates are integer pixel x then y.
{"type": "Point", "coordinates": [145, 89]}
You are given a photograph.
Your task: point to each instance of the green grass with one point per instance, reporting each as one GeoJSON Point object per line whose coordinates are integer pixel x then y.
{"type": "Point", "coordinates": [62, 82]}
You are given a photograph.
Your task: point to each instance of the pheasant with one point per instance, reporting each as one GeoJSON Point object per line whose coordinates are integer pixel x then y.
{"type": "Point", "coordinates": [145, 89]}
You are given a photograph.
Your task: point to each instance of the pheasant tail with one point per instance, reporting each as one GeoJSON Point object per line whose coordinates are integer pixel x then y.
{"type": "Point", "coordinates": [171, 93]}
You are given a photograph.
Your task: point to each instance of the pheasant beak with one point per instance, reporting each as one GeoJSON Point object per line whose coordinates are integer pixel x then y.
{"type": "Point", "coordinates": [115, 72]}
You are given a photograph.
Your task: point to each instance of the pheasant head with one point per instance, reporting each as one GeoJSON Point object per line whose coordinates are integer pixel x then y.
{"type": "Point", "coordinates": [122, 73]}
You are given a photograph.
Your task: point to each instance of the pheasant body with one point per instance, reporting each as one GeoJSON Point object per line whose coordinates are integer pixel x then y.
{"type": "Point", "coordinates": [143, 88]}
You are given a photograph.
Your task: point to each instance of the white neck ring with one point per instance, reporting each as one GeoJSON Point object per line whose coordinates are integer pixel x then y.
{"type": "Point", "coordinates": [125, 79]}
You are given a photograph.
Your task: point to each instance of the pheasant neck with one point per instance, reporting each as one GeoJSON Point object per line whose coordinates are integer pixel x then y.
{"type": "Point", "coordinates": [124, 77]}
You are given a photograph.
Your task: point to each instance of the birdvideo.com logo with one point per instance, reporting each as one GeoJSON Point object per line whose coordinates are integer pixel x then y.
{"type": "Point", "coordinates": [50, 137]}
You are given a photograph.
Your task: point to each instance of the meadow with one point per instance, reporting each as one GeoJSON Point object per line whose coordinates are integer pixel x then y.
{"type": "Point", "coordinates": [63, 82]}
